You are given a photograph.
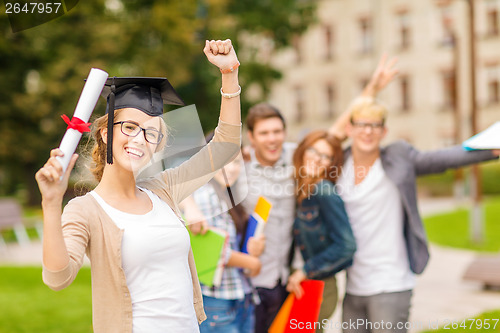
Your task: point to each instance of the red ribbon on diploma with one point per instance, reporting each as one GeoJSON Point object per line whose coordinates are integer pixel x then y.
{"type": "Point", "coordinates": [76, 124]}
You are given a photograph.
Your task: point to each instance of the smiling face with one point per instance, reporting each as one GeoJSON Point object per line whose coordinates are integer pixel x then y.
{"type": "Point", "coordinates": [366, 134]}
{"type": "Point", "coordinates": [367, 126]}
{"type": "Point", "coordinates": [267, 139]}
{"type": "Point", "coordinates": [131, 150]}
{"type": "Point", "coordinates": [317, 158]}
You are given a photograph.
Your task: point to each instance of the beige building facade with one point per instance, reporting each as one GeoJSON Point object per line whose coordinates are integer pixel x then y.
{"type": "Point", "coordinates": [430, 102]}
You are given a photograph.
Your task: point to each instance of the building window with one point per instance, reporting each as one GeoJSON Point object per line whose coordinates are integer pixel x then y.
{"type": "Point", "coordinates": [328, 37]}
{"type": "Point", "coordinates": [492, 21]}
{"type": "Point", "coordinates": [299, 104]}
{"type": "Point", "coordinates": [366, 34]}
{"type": "Point", "coordinates": [404, 30]}
{"type": "Point", "coordinates": [493, 77]}
{"type": "Point", "coordinates": [449, 90]}
{"type": "Point", "coordinates": [297, 49]}
{"type": "Point", "coordinates": [330, 101]}
{"type": "Point", "coordinates": [447, 38]}
{"type": "Point", "coordinates": [404, 86]}
{"type": "Point", "coordinates": [493, 92]}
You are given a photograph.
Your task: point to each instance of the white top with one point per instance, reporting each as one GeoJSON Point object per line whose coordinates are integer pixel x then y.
{"type": "Point", "coordinates": [375, 212]}
{"type": "Point", "coordinates": [276, 184]}
{"type": "Point", "coordinates": [155, 248]}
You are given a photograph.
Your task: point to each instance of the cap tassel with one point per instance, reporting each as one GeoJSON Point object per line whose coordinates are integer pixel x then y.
{"type": "Point", "coordinates": [111, 120]}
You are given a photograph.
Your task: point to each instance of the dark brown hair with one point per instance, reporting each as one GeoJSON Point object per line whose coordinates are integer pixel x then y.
{"type": "Point", "coordinates": [262, 111]}
{"type": "Point", "coordinates": [303, 182]}
{"type": "Point", "coordinates": [237, 211]}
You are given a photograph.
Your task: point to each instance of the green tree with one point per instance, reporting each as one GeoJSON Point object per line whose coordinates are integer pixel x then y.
{"type": "Point", "coordinates": [257, 28]}
{"type": "Point", "coordinates": [43, 67]}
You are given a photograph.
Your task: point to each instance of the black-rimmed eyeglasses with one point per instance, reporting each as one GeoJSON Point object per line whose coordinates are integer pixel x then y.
{"type": "Point", "coordinates": [130, 128]}
{"type": "Point", "coordinates": [377, 126]}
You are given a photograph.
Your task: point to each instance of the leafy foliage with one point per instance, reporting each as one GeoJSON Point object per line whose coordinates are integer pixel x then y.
{"type": "Point", "coordinates": [43, 67]}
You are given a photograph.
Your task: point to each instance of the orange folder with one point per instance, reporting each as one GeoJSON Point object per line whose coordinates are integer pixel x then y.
{"type": "Point", "coordinates": [281, 319]}
{"type": "Point", "coordinates": [304, 310]}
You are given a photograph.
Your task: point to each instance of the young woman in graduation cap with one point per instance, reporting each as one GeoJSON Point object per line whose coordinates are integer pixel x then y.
{"type": "Point", "coordinates": [143, 273]}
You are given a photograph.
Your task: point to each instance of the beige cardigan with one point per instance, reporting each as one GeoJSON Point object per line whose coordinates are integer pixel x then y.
{"type": "Point", "coordinates": [87, 229]}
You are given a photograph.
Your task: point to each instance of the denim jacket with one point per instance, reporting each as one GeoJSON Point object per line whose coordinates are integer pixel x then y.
{"type": "Point", "coordinates": [323, 233]}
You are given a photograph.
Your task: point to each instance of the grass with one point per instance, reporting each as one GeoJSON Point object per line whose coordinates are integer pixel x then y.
{"type": "Point", "coordinates": [452, 229]}
{"type": "Point", "coordinates": [30, 216]}
{"type": "Point", "coordinates": [9, 236]}
{"type": "Point", "coordinates": [442, 184]}
{"type": "Point", "coordinates": [27, 305]}
{"type": "Point", "coordinates": [470, 325]}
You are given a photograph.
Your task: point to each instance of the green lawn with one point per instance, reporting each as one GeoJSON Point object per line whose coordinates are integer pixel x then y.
{"type": "Point", "coordinates": [28, 306]}
{"type": "Point", "coordinates": [452, 229]}
{"type": "Point", "coordinates": [30, 215]}
{"type": "Point", "coordinates": [441, 184]}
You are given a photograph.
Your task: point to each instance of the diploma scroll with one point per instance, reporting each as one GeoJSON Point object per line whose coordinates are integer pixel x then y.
{"type": "Point", "coordinates": [84, 108]}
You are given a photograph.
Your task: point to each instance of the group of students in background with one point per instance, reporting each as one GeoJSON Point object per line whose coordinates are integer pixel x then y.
{"type": "Point", "coordinates": [353, 209]}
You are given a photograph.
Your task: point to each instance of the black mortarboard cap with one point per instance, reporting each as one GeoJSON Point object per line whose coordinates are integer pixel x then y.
{"type": "Point", "coordinates": [147, 94]}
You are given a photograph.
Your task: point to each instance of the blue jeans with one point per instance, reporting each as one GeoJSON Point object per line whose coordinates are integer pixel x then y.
{"type": "Point", "coordinates": [228, 316]}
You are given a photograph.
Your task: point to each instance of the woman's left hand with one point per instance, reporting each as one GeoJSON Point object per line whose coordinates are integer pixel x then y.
{"type": "Point", "coordinates": [294, 283]}
{"type": "Point", "coordinates": [221, 53]}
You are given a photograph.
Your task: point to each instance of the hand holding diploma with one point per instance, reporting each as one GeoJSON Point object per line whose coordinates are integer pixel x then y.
{"type": "Point", "coordinates": [78, 124]}
{"type": "Point", "coordinates": [52, 180]}
{"type": "Point", "coordinates": [53, 177]}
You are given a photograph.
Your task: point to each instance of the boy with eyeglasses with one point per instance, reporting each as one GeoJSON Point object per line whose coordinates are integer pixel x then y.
{"type": "Point", "coordinates": [379, 191]}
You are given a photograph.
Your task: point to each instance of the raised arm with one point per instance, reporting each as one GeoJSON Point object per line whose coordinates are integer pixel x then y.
{"type": "Point", "coordinates": [381, 77]}
{"type": "Point", "coordinates": [428, 162]}
{"type": "Point", "coordinates": [199, 169]}
{"type": "Point", "coordinates": [222, 54]}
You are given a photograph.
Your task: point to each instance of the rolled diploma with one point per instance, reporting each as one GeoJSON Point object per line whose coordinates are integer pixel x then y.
{"type": "Point", "coordinates": [84, 108]}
